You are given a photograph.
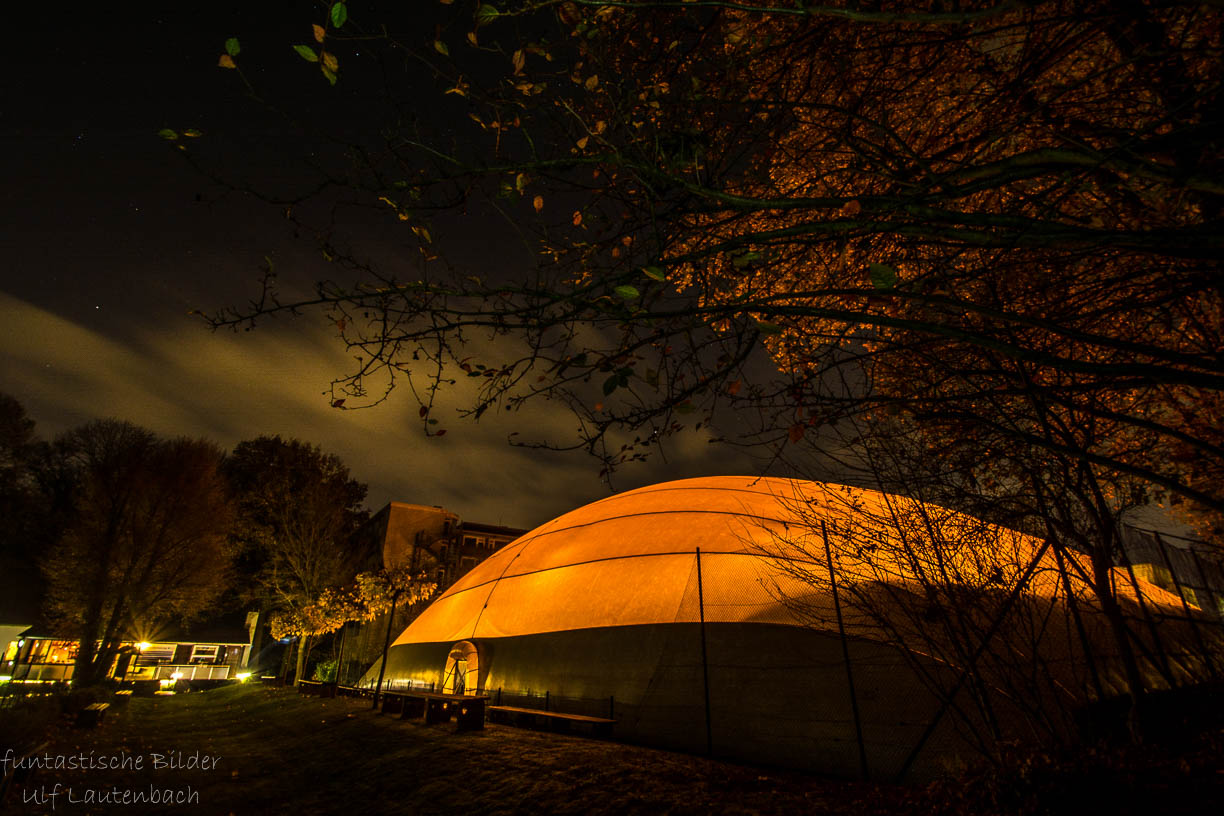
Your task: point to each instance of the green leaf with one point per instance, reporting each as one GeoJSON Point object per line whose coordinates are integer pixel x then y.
{"type": "Point", "coordinates": [232, 47]}
{"type": "Point", "coordinates": [192, 133]}
{"type": "Point", "coordinates": [611, 384]}
{"type": "Point", "coordinates": [306, 52]}
{"type": "Point", "coordinates": [441, 48]}
{"type": "Point", "coordinates": [329, 73]}
{"type": "Point", "coordinates": [486, 14]}
{"type": "Point", "coordinates": [768, 329]}
{"type": "Point", "coordinates": [168, 134]}
{"type": "Point", "coordinates": [740, 261]}
{"type": "Point", "coordinates": [339, 13]}
{"type": "Point", "coordinates": [653, 272]}
{"type": "Point", "coordinates": [883, 276]}
{"type": "Point", "coordinates": [627, 292]}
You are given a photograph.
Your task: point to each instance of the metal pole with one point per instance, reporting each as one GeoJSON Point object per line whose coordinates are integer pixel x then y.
{"type": "Point", "coordinates": [1216, 608]}
{"type": "Point", "coordinates": [1073, 605]}
{"type": "Point", "coordinates": [705, 665]}
{"type": "Point", "coordinates": [1162, 658]}
{"type": "Point", "coordinates": [841, 631]}
{"type": "Point", "coordinates": [981, 647]}
{"type": "Point", "coordinates": [382, 667]}
{"type": "Point", "coordinates": [1181, 595]}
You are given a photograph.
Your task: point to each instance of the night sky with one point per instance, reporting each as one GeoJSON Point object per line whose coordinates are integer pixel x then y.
{"type": "Point", "coordinates": [109, 239]}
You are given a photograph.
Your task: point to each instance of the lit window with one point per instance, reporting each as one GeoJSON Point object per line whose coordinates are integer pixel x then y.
{"type": "Point", "coordinates": [157, 653]}
{"type": "Point", "coordinates": [204, 653]}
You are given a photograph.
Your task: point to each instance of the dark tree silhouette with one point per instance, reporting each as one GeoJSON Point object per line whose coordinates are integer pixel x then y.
{"type": "Point", "coordinates": [297, 509]}
{"type": "Point", "coordinates": [146, 541]}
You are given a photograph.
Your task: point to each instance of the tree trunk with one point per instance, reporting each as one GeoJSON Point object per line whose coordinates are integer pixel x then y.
{"type": "Point", "coordinates": [339, 678]}
{"type": "Point", "coordinates": [303, 651]}
{"type": "Point", "coordinates": [83, 668]}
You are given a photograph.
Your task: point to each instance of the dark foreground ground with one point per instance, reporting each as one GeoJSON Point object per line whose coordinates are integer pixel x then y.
{"type": "Point", "coordinates": [255, 750]}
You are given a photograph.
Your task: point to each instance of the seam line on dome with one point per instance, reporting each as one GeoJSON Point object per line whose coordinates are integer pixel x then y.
{"type": "Point", "coordinates": [503, 574]}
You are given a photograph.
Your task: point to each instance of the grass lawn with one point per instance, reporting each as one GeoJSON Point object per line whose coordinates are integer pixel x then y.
{"type": "Point", "coordinates": [249, 749]}
{"type": "Point", "coordinates": [278, 752]}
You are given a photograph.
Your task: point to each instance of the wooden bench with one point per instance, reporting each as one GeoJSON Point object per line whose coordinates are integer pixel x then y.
{"type": "Point", "coordinates": [317, 687]}
{"type": "Point", "coordinates": [91, 715]}
{"type": "Point", "coordinates": [550, 720]}
{"type": "Point", "coordinates": [468, 711]}
{"type": "Point", "coordinates": [392, 703]}
{"type": "Point", "coordinates": [354, 691]}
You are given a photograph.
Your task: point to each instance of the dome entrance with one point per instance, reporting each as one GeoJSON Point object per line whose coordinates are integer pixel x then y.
{"type": "Point", "coordinates": [462, 672]}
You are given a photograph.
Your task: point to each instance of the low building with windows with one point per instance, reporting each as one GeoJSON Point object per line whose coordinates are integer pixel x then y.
{"type": "Point", "coordinates": [209, 652]}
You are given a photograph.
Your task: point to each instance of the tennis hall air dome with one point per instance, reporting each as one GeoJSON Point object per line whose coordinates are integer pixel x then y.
{"type": "Point", "coordinates": [700, 616]}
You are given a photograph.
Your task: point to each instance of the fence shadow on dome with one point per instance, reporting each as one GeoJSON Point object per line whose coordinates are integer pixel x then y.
{"type": "Point", "coordinates": [1010, 633]}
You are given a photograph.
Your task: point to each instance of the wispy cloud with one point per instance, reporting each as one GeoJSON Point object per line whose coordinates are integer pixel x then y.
{"type": "Point", "coordinates": [184, 380]}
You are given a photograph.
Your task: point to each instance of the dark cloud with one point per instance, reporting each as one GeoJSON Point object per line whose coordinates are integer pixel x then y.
{"type": "Point", "coordinates": [109, 239]}
{"type": "Point", "coordinates": [180, 379]}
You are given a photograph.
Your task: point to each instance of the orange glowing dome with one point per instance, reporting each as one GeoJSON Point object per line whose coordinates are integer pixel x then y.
{"type": "Point", "coordinates": [702, 613]}
{"type": "Point", "coordinates": [631, 559]}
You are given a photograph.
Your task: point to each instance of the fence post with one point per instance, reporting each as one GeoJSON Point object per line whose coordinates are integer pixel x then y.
{"type": "Point", "coordinates": [1162, 658]}
{"type": "Point", "coordinates": [1181, 595]}
{"type": "Point", "coordinates": [545, 699]}
{"type": "Point", "coordinates": [1073, 604]}
{"type": "Point", "coordinates": [972, 662]}
{"type": "Point", "coordinates": [705, 664]}
{"type": "Point", "coordinates": [841, 630]}
{"type": "Point", "coordinates": [611, 706]}
{"type": "Point", "coordinates": [1217, 610]}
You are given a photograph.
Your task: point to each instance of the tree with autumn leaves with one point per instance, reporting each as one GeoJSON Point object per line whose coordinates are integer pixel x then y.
{"type": "Point", "coordinates": [369, 596]}
{"type": "Point", "coordinates": [996, 227]}
{"type": "Point", "coordinates": [297, 509]}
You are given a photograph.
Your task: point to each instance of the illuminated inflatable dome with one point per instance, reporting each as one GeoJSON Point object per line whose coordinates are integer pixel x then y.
{"type": "Point", "coordinates": [646, 604]}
